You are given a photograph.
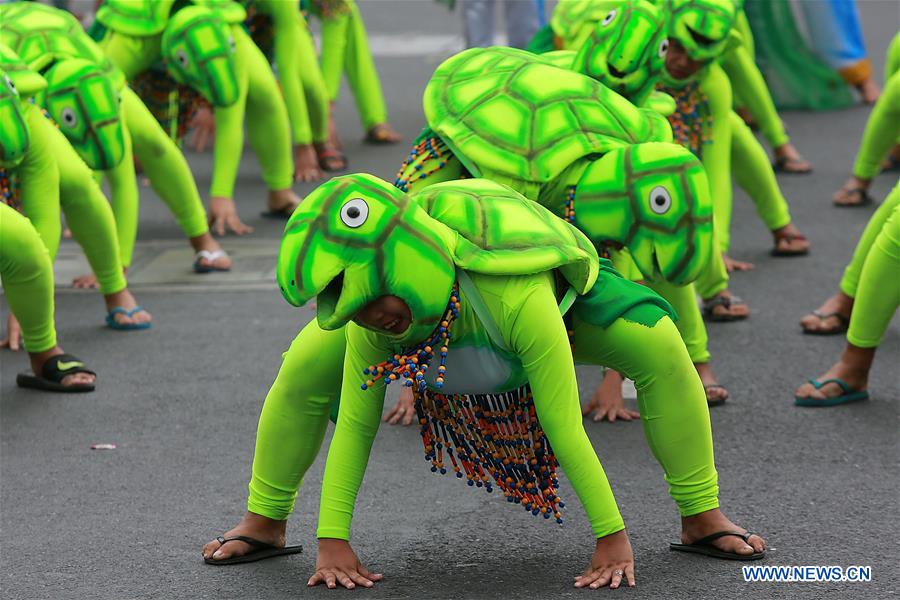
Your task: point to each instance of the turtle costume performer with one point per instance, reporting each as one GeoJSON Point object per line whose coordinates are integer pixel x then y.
{"type": "Point", "coordinates": [483, 344]}
{"type": "Point", "coordinates": [205, 47]}
{"type": "Point", "coordinates": [281, 31]}
{"type": "Point", "coordinates": [345, 50]}
{"type": "Point", "coordinates": [53, 176]}
{"type": "Point", "coordinates": [27, 272]}
{"type": "Point", "coordinates": [106, 121]}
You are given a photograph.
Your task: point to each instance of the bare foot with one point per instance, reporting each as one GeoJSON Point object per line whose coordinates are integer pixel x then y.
{"type": "Point", "coordinates": [283, 201]}
{"type": "Point", "coordinates": [607, 401]}
{"type": "Point", "coordinates": [789, 241]}
{"type": "Point", "coordinates": [206, 242]}
{"type": "Point", "coordinates": [869, 91]}
{"type": "Point", "coordinates": [124, 299]}
{"type": "Point", "coordinates": [85, 282]}
{"type": "Point", "coordinates": [39, 358]}
{"type": "Point", "coordinates": [383, 133]}
{"type": "Point", "coordinates": [611, 564]}
{"type": "Point", "coordinates": [706, 523]}
{"type": "Point", "coordinates": [725, 306]}
{"type": "Point", "coordinates": [736, 265]}
{"type": "Point", "coordinates": [852, 368]}
{"type": "Point", "coordinates": [830, 318]}
{"type": "Point", "coordinates": [404, 411]}
{"type": "Point", "coordinates": [788, 160]}
{"type": "Point", "coordinates": [854, 192]}
{"type": "Point", "coordinates": [715, 393]}
{"type": "Point", "coordinates": [306, 164]}
{"type": "Point", "coordinates": [252, 525]}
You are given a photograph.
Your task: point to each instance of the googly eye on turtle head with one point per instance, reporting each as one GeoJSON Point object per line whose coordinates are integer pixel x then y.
{"type": "Point", "coordinates": [68, 118]}
{"type": "Point", "coordinates": [660, 200]}
{"type": "Point", "coordinates": [11, 85]}
{"type": "Point", "coordinates": [354, 213]}
{"type": "Point", "coordinates": [663, 47]}
{"type": "Point", "coordinates": [182, 58]}
{"type": "Point", "coordinates": [609, 18]}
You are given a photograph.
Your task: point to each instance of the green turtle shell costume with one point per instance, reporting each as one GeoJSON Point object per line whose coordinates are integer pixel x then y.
{"type": "Point", "coordinates": [577, 143]}
{"type": "Point", "coordinates": [486, 274]}
{"type": "Point", "coordinates": [102, 118]}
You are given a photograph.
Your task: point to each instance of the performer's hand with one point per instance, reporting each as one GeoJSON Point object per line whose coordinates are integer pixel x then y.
{"type": "Point", "coordinates": [203, 124]}
{"type": "Point", "coordinates": [612, 563]}
{"type": "Point", "coordinates": [404, 411]}
{"type": "Point", "coordinates": [336, 563]}
{"type": "Point", "coordinates": [222, 213]}
{"type": "Point", "coordinates": [13, 339]}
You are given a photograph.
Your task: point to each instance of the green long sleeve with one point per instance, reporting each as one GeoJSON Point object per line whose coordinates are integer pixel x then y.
{"type": "Point", "coordinates": [878, 293]}
{"type": "Point", "coordinates": [124, 197]}
{"type": "Point", "coordinates": [881, 132]}
{"type": "Point", "coordinates": [39, 181]}
{"type": "Point", "coordinates": [132, 54]}
{"type": "Point", "coordinates": [27, 275]}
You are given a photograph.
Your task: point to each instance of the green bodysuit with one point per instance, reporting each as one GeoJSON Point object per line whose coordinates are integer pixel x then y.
{"type": "Point", "coordinates": [507, 331]}
{"type": "Point", "coordinates": [50, 39]}
{"type": "Point", "coordinates": [345, 50]}
{"type": "Point", "coordinates": [205, 47]}
{"type": "Point", "coordinates": [883, 127]}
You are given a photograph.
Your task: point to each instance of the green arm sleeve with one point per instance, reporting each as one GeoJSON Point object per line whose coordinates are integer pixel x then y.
{"type": "Point", "coordinates": [39, 181]}
{"type": "Point", "coordinates": [124, 198]}
{"type": "Point", "coordinates": [750, 87]}
{"type": "Point", "coordinates": [547, 359]}
{"type": "Point", "coordinates": [288, 48]}
{"type": "Point", "coordinates": [334, 47]}
{"type": "Point", "coordinates": [882, 130]}
{"type": "Point", "coordinates": [357, 424]}
{"type": "Point", "coordinates": [717, 154]}
{"type": "Point", "coordinates": [229, 143]}
{"type": "Point", "coordinates": [892, 61]}
{"type": "Point", "coordinates": [132, 54]}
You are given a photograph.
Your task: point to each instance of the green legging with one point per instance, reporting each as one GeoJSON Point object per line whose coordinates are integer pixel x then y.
{"type": "Point", "coordinates": [878, 292]}
{"type": "Point", "coordinates": [673, 408]}
{"type": "Point", "coordinates": [345, 49]}
{"type": "Point", "coordinates": [853, 270]}
{"type": "Point", "coordinates": [87, 212]}
{"type": "Point", "coordinates": [302, 84]}
{"type": "Point", "coordinates": [27, 275]}
{"type": "Point", "coordinates": [165, 167]}
{"type": "Point", "coordinates": [753, 173]}
{"type": "Point", "coordinates": [750, 89]}
{"type": "Point", "coordinates": [882, 131]}
{"type": "Point", "coordinates": [262, 105]}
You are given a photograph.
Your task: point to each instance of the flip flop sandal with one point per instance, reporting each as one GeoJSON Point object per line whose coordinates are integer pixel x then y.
{"type": "Point", "coordinates": [282, 214]}
{"type": "Point", "coordinates": [864, 198]}
{"type": "Point", "coordinates": [113, 324]}
{"type": "Point", "coordinates": [261, 551]}
{"type": "Point", "coordinates": [378, 135]}
{"type": "Point", "coordinates": [790, 237]}
{"type": "Point", "coordinates": [211, 256]}
{"type": "Point", "coordinates": [850, 394]}
{"type": "Point", "coordinates": [55, 369]}
{"type": "Point", "coordinates": [332, 160]}
{"type": "Point", "coordinates": [843, 324]}
{"type": "Point", "coordinates": [717, 401]}
{"type": "Point", "coordinates": [705, 547]}
{"type": "Point", "coordinates": [726, 301]}
{"type": "Point", "coordinates": [782, 165]}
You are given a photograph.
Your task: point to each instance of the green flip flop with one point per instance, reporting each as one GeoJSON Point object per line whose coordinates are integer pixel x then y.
{"type": "Point", "coordinates": [850, 394]}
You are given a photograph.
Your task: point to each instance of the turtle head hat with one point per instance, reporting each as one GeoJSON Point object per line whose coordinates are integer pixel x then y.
{"type": "Point", "coordinates": [199, 52]}
{"type": "Point", "coordinates": [704, 27]}
{"type": "Point", "coordinates": [653, 199]}
{"type": "Point", "coordinates": [358, 238]}
{"type": "Point", "coordinates": [83, 100]}
{"type": "Point", "coordinates": [626, 51]}
{"type": "Point", "coordinates": [13, 130]}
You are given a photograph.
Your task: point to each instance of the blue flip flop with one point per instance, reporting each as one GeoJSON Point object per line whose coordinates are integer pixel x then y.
{"type": "Point", "coordinates": [850, 394]}
{"type": "Point", "coordinates": [113, 324]}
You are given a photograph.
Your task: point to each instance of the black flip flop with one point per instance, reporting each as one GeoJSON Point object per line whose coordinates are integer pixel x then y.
{"type": "Point", "coordinates": [55, 369]}
{"type": "Point", "coordinates": [843, 324]}
{"type": "Point", "coordinates": [261, 551]}
{"type": "Point", "coordinates": [705, 547]}
{"type": "Point", "coordinates": [715, 386]}
{"type": "Point", "coordinates": [864, 198]}
{"type": "Point", "coordinates": [781, 166]}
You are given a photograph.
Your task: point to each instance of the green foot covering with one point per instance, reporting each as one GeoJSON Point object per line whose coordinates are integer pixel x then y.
{"type": "Point", "coordinates": [542, 41]}
{"type": "Point", "coordinates": [796, 78]}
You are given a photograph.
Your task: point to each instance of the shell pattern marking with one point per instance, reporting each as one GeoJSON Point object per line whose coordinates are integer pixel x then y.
{"type": "Point", "coordinates": [496, 111]}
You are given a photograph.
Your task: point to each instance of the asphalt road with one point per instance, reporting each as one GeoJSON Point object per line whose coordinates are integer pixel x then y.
{"type": "Point", "coordinates": [181, 403]}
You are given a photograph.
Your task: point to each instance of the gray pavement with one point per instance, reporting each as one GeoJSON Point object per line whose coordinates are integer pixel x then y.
{"type": "Point", "coordinates": [181, 403]}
